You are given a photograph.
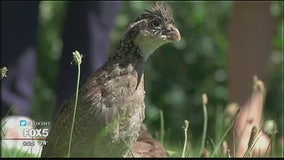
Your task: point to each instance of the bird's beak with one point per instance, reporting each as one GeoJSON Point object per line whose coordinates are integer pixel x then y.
{"type": "Point", "coordinates": [173, 33]}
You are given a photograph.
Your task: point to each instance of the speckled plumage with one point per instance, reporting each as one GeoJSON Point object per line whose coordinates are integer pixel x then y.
{"type": "Point", "coordinates": [111, 105]}
{"type": "Point", "coordinates": [146, 146]}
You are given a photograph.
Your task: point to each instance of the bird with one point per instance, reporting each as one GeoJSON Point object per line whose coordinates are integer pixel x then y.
{"type": "Point", "coordinates": [111, 106]}
{"type": "Point", "coordinates": [146, 146]}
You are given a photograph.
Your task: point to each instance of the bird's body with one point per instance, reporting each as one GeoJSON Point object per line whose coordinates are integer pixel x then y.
{"type": "Point", "coordinates": [100, 101]}
{"type": "Point", "coordinates": [111, 103]}
{"type": "Point", "coordinates": [146, 146]}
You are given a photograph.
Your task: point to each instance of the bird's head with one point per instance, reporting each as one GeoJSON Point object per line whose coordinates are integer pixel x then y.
{"type": "Point", "coordinates": [153, 28]}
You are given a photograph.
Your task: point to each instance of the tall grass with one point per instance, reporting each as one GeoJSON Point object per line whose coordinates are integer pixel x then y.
{"type": "Point", "coordinates": [217, 148]}
{"type": "Point", "coordinates": [77, 57]}
{"type": "Point", "coordinates": [204, 101]}
{"type": "Point", "coordinates": [186, 124]}
{"type": "Point", "coordinates": [162, 127]}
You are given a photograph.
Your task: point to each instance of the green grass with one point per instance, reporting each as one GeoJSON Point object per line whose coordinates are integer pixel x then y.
{"type": "Point", "coordinates": [16, 153]}
{"type": "Point", "coordinates": [173, 149]}
{"type": "Point", "coordinates": [78, 60]}
{"type": "Point", "coordinates": [186, 124]}
{"type": "Point", "coordinates": [205, 123]}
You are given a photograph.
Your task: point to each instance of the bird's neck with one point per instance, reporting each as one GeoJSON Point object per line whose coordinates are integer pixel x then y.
{"type": "Point", "coordinates": [127, 49]}
{"type": "Point", "coordinates": [134, 44]}
{"type": "Point", "coordinates": [129, 54]}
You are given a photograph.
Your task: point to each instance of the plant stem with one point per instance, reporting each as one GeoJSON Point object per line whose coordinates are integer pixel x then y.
{"type": "Point", "coordinates": [226, 132]}
{"type": "Point", "coordinates": [162, 127]}
{"type": "Point", "coordinates": [75, 108]}
{"type": "Point", "coordinates": [186, 124]}
{"type": "Point", "coordinates": [204, 123]}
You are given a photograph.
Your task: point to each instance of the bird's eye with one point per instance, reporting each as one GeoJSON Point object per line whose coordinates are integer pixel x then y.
{"type": "Point", "coordinates": [155, 23]}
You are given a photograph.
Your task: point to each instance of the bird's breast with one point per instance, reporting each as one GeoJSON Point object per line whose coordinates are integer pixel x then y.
{"type": "Point", "coordinates": [121, 105]}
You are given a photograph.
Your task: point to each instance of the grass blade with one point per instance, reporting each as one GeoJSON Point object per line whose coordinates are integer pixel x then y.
{"type": "Point", "coordinates": [77, 60]}
{"type": "Point", "coordinates": [204, 101]}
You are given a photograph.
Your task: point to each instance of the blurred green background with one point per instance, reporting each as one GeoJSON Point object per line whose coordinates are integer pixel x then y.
{"type": "Point", "coordinates": [177, 74]}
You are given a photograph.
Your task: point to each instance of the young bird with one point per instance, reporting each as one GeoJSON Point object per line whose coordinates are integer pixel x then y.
{"type": "Point", "coordinates": [111, 103]}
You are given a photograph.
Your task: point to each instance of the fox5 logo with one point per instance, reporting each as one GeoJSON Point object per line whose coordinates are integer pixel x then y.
{"type": "Point", "coordinates": [35, 132]}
